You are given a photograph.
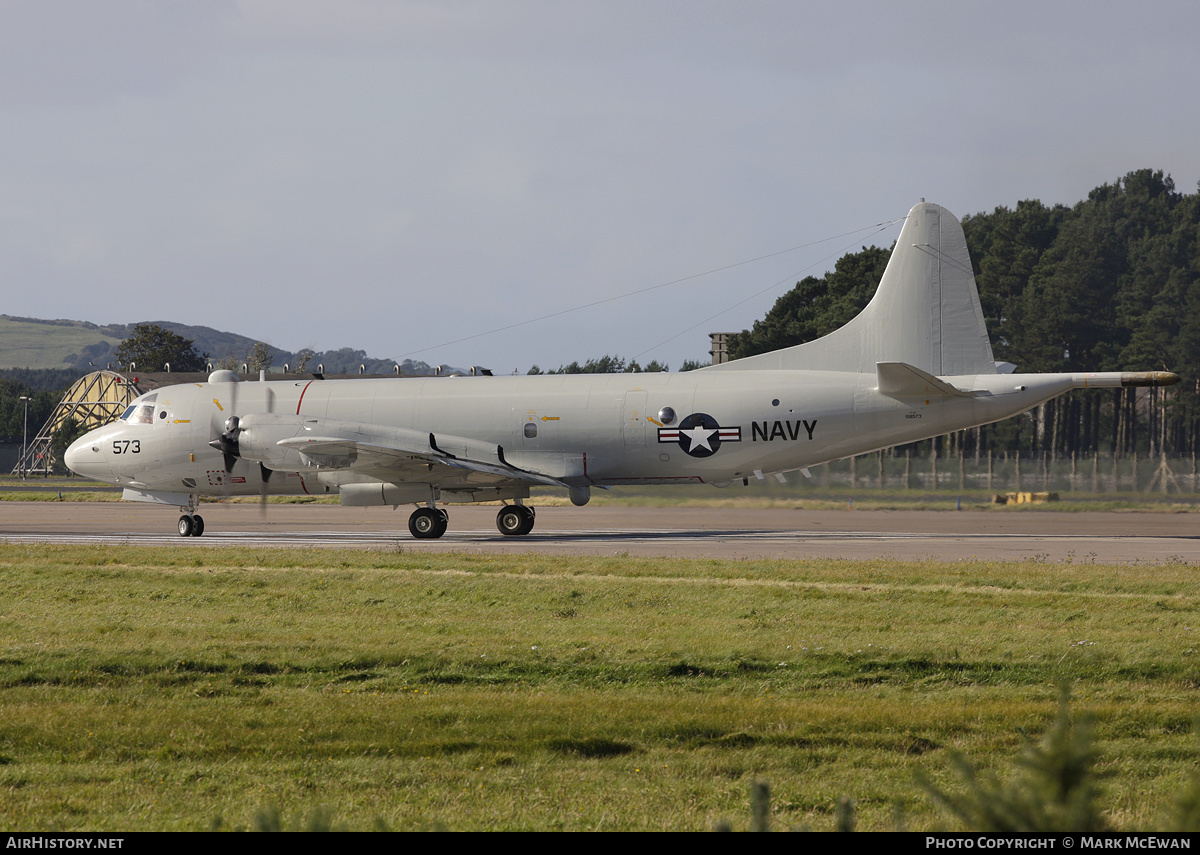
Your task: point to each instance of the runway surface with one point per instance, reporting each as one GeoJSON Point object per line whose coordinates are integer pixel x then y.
{"type": "Point", "coordinates": [1102, 537]}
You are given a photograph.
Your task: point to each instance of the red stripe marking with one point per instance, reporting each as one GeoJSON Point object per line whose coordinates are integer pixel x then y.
{"type": "Point", "coordinates": [302, 391]}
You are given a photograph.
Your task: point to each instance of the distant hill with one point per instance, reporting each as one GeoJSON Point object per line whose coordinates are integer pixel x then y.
{"type": "Point", "coordinates": [84, 346]}
{"type": "Point", "coordinates": [33, 343]}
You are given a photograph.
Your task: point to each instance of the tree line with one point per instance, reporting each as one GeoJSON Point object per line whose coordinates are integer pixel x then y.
{"type": "Point", "coordinates": [615, 365]}
{"type": "Point", "coordinates": [1110, 284]}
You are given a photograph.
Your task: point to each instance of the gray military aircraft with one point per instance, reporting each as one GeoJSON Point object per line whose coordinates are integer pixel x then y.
{"type": "Point", "coordinates": [915, 363]}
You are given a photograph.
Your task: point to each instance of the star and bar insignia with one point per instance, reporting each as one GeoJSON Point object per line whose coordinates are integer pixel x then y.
{"type": "Point", "coordinates": [699, 435]}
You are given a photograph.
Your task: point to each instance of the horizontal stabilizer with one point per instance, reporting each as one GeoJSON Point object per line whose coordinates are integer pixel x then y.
{"type": "Point", "coordinates": [901, 380]}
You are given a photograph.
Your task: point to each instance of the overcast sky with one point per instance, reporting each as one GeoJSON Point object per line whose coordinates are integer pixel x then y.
{"type": "Point", "coordinates": [397, 176]}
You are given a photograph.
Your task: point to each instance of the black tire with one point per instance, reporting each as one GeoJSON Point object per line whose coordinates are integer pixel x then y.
{"type": "Point", "coordinates": [515, 520]}
{"type": "Point", "coordinates": [185, 526]}
{"type": "Point", "coordinates": [427, 523]}
{"type": "Point", "coordinates": [197, 525]}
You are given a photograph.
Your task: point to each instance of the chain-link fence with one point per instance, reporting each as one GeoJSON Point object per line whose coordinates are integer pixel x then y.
{"type": "Point", "coordinates": [1002, 473]}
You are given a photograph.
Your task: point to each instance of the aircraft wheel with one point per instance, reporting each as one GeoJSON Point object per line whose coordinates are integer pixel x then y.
{"type": "Point", "coordinates": [197, 525]}
{"type": "Point", "coordinates": [185, 526]}
{"type": "Point", "coordinates": [428, 523]}
{"type": "Point", "coordinates": [515, 520]}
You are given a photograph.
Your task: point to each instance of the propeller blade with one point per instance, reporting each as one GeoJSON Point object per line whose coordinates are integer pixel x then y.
{"type": "Point", "coordinates": [266, 478]}
{"type": "Point", "coordinates": [225, 397]}
{"type": "Point", "coordinates": [227, 444]}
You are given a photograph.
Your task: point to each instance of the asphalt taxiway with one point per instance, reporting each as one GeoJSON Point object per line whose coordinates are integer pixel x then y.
{"type": "Point", "coordinates": [727, 533]}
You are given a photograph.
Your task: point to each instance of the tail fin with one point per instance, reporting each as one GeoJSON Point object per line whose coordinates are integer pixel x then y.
{"type": "Point", "coordinates": [925, 313]}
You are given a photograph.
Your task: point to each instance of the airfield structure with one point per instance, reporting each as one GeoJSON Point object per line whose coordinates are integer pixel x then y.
{"type": "Point", "coordinates": [93, 401]}
{"type": "Point", "coordinates": [719, 347]}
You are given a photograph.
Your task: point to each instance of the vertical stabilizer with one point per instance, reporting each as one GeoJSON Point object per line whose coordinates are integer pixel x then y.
{"type": "Point", "coordinates": [925, 313]}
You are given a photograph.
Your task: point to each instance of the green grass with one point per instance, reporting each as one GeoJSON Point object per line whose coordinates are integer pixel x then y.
{"type": "Point", "coordinates": [145, 688]}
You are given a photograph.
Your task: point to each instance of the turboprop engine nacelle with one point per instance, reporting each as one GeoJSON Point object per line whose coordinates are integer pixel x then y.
{"type": "Point", "coordinates": [259, 435]}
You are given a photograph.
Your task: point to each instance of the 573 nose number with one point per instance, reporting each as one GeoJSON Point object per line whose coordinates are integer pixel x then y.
{"type": "Point", "coordinates": [127, 446]}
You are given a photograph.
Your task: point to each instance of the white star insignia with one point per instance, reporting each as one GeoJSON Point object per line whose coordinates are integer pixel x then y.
{"type": "Point", "coordinates": [699, 436]}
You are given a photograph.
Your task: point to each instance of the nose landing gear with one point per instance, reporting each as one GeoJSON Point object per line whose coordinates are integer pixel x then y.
{"type": "Point", "coordinates": [191, 524]}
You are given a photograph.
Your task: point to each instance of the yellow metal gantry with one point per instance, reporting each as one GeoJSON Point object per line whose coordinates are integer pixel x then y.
{"type": "Point", "coordinates": [93, 401]}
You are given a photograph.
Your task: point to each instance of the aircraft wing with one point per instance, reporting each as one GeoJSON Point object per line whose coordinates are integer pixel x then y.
{"type": "Point", "coordinates": [400, 454]}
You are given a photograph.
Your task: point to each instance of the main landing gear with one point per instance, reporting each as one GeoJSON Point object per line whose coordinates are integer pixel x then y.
{"type": "Point", "coordinates": [515, 520]}
{"type": "Point", "coordinates": [429, 523]}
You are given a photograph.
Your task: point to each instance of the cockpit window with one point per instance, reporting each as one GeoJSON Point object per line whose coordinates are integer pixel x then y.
{"type": "Point", "coordinates": [143, 415]}
{"type": "Point", "coordinates": [141, 411]}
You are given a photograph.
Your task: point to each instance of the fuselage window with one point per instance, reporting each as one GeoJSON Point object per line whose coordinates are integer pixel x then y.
{"type": "Point", "coordinates": [530, 429]}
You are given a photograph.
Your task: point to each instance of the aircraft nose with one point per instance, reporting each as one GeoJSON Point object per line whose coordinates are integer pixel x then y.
{"type": "Point", "coordinates": [83, 458]}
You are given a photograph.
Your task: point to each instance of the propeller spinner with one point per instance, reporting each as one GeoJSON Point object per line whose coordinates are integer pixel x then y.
{"type": "Point", "coordinates": [227, 443]}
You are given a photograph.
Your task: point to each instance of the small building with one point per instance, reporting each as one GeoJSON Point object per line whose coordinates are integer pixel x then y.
{"type": "Point", "coordinates": [718, 341]}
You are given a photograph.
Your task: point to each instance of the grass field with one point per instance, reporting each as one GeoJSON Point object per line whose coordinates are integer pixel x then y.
{"type": "Point", "coordinates": [28, 343]}
{"type": "Point", "coordinates": [148, 688]}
